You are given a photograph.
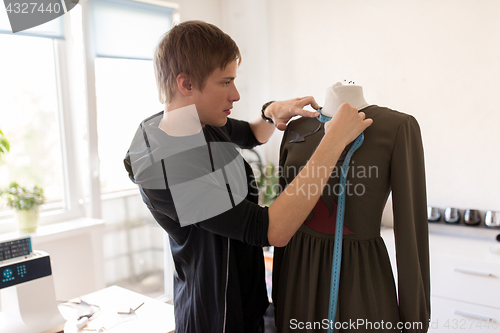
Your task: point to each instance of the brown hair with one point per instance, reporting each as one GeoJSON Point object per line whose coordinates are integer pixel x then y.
{"type": "Point", "coordinates": [196, 48]}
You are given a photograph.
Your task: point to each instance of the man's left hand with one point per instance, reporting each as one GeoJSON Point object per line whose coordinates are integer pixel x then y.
{"type": "Point", "coordinates": [282, 111]}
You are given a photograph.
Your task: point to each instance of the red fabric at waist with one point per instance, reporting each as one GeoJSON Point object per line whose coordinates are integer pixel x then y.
{"type": "Point", "coordinates": [325, 222]}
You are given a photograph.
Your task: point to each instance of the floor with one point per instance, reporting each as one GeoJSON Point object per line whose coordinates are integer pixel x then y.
{"type": "Point", "coordinates": [269, 320]}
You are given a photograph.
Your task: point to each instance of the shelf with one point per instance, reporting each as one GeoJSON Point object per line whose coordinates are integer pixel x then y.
{"type": "Point", "coordinates": [56, 231]}
{"type": "Point", "coordinates": [464, 231]}
{"type": "Point", "coordinates": [481, 225]}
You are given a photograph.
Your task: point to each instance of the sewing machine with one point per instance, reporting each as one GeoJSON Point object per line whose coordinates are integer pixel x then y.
{"type": "Point", "coordinates": [27, 294]}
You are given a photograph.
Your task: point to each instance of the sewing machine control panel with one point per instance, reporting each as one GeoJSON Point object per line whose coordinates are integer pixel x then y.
{"type": "Point", "coordinates": [24, 270]}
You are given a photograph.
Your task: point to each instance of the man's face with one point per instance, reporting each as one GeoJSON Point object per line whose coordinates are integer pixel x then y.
{"type": "Point", "coordinates": [215, 102]}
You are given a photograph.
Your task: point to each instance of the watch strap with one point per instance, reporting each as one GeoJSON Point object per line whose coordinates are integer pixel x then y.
{"type": "Point", "coordinates": [267, 119]}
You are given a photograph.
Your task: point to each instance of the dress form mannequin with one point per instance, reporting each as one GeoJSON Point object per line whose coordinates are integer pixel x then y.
{"type": "Point", "coordinates": [393, 151]}
{"type": "Point", "coordinates": [338, 94]}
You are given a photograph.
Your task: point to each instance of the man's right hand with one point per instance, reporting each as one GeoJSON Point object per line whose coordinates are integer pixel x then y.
{"type": "Point", "coordinates": [347, 124]}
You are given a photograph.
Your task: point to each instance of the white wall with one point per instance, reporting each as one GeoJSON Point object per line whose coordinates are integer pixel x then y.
{"type": "Point", "coordinates": [205, 10]}
{"type": "Point", "coordinates": [133, 242]}
{"type": "Point", "coordinates": [246, 22]}
{"type": "Point", "coordinates": [435, 59]}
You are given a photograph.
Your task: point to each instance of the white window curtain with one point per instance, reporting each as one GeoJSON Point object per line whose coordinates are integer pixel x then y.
{"type": "Point", "coordinates": [128, 29]}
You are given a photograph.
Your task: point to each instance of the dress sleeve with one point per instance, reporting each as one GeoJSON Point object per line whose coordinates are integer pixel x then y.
{"type": "Point", "coordinates": [241, 134]}
{"type": "Point", "coordinates": [410, 224]}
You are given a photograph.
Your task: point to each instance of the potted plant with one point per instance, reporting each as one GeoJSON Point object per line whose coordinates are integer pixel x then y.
{"type": "Point", "coordinates": [267, 178]}
{"type": "Point", "coordinates": [26, 203]}
{"type": "Point", "coordinates": [4, 144]}
{"type": "Point", "coordinates": [270, 184]}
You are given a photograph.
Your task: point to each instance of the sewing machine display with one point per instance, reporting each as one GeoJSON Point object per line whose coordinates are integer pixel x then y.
{"type": "Point", "coordinates": [27, 294]}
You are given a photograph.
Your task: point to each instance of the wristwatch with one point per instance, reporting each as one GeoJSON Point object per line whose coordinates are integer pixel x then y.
{"type": "Point", "coordinates": [267, 119]}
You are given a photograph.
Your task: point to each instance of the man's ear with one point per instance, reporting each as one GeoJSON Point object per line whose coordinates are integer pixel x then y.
{"type": "Point", "coordinates": [184, 84]}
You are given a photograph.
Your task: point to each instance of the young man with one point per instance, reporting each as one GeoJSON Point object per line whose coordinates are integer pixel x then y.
{"type": "Point", "coordinates": [190, 177]}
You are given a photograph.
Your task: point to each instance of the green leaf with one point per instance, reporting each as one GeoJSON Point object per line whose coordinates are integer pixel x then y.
{"type": "Point", "coordinates": [22, 198]}
{"type": "Point", "coordinates": [5, 143]}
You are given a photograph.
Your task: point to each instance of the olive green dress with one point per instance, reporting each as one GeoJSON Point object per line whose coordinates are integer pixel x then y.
{"type": "Point", "coordinates": [390, 159]}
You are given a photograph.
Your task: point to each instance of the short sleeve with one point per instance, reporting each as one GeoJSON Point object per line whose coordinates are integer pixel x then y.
{"type": "Point", "coordinates": [410, 224]}
{"type": "Point", "coordinates": [240, 133]}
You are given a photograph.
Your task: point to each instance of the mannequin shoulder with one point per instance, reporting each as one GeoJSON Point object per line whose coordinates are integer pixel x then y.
{"type": "Point", "coordinates": [303, 125]}
{"type": "Point", "coordinates": [386, 117]}
{"type": "Point", "coordinates": [387, 122]}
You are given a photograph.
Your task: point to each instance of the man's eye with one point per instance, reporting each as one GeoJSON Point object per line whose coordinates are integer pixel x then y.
{"type": "Point", "coordinates": [228, 82]}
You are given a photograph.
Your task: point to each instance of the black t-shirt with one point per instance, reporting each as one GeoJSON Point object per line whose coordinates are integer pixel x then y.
{"type": "Point", "coordinates": [219, 279]}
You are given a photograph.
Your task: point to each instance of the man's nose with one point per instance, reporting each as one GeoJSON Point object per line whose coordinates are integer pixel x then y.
{"type": "Point", "coordinates": [235, 95]}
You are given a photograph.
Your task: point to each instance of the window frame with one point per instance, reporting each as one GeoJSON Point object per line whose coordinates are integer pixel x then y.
{"type": "Point", "coordinates": [75, 170]}
{"type": "Point", "coordinates": [90, 55]}
{"type": "Point", "coordinates": [72, 205]}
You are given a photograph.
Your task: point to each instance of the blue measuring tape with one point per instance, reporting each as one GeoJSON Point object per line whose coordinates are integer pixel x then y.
{"type": "Point", "coordinates": [322, 117]}
{"type": "Point", "coordinates": [339, 228]}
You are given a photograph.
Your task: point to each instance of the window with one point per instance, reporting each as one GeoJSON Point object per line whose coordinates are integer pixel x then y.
{"type": "Point", "coordinates": [126, 95]}
{"type": "Point", "coordinates": [34, 109]}
{"type": "Point", "coordinates": [69, 100]}
{"type": "Point", "coordinates": [124, 79]}
{"type": "Point", "coordinates": [55, 123]}
{"type": "Point", "coordinates": [30, 116]}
